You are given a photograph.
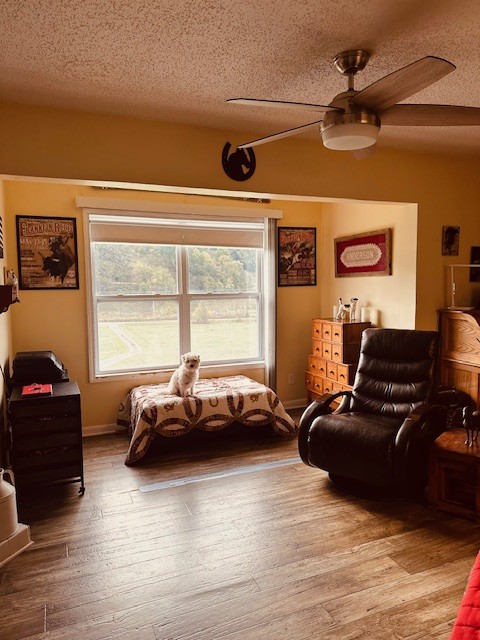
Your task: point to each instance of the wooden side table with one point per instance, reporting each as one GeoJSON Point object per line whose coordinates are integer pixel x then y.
{"type": "Point", "coordinates": [454, 484]}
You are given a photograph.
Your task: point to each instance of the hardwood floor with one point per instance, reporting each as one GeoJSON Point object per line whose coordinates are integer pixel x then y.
{"type": "Point", "coordinates": [276, 553]}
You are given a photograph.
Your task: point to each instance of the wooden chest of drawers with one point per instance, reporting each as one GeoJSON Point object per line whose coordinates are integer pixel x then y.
{"type": "Point", "coordinates": [46, 434]}
{"type": "Point", "coordinates": [335, 351]}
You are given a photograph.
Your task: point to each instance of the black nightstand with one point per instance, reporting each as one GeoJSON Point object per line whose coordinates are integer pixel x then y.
{"type": "Point", "coordinates": [46, 434]}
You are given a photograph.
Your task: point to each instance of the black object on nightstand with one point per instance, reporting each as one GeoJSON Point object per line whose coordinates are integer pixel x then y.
{"type": "Point", "coordinates": [37, 366]}
{"type": "Point", "coordinates": [46, 437]}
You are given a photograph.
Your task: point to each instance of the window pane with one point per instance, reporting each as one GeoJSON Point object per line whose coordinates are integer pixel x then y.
{"type": "Point", "coordinates": [134, 335]}
{"type": "Point", "coordinates": [134, 269]}
{"type": "Point", "coordinates": [222, 270]}
{"type": "Point", "coordinates": [225, 329]}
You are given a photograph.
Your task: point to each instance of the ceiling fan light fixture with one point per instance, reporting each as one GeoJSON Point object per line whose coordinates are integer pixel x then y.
{"type": "Point", "coordinates": [350, 136]}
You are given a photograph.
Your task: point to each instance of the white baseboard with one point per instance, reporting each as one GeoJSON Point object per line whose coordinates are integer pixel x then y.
{"type": "Point", "coordinates": [98, 430]}
{"type": "Point", "coordinates": [295, 404]}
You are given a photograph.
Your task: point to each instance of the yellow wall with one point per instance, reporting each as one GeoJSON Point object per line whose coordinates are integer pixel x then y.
{"type": "Point", "coordinates": [57, 319]}
{"type": "Point", "coordinates": [393, 296]}
{"type": "Point", "coordinates": [66, 144]}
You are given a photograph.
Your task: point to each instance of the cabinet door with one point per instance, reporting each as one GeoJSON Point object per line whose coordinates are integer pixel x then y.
{"type": "Point", "coordinates": [457, 487]}
{"type": "Point", "coordinates": [327, 385]}
{"type": "Point", "coordinates": [316, 330]}
{"type": "Point", "coordinates": [318, 385]}
{"type": "Point", "coordinates": [346, 373]}
{"type": "Point", "coordinates": [53, 424]}
{"type": "Point", "coordinates": [316, 365]}
{"type": "Point", "coordinates": [337, 333]}
{"type": "Point", "coordinates": [331, 370]}
{"type": "Point", "coordinates": [309, 381]}
{"type": "Point", "coordinates": [337, 353]}
{"type": "Point", "coordinates": [326, 331]}
{"type": "Point", "coordinates": [52, 408]}
{"type": "Point", "coordinates": [327, 350]}
{"type": "Point", "coordinates": [317, 348]}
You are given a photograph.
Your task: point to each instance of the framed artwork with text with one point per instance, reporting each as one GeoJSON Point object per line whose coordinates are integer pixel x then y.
{"type": "Point", "coordinates": [297, 256]}
{"type": "Point", "coordinates": [364, 254]}
{"type": "Point", "coordinates": [47, 252]}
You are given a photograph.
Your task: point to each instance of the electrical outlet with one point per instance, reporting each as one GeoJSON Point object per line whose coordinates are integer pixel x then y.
{"type": "Point", "coordinates": [291, 378]}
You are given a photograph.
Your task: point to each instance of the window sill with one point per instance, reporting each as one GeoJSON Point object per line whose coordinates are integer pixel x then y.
{"type": "Point", "coordinates": [164, 375]}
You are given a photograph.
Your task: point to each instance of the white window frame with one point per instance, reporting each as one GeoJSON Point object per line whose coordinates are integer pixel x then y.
{"type": "Point", "coordinates": [115, 207]}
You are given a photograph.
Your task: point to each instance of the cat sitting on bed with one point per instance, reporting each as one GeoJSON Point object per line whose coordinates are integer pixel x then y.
{"type": "Point", "coordinates": [184, 378]}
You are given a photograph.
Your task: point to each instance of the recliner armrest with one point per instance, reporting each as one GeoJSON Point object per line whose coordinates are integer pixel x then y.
{"type": "Point", "coordinates": [429, 420]}
{"type": "Point", "coordinates": [414, 438]}
{"type": "Point", "coordinates": [316, 408]}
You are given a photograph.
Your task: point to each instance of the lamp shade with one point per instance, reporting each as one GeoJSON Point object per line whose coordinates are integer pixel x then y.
{"type": "Point", "coordinates": [350, 136]}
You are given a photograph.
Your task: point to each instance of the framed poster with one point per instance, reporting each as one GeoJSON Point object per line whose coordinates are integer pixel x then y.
{"type": "Point", "coordinates": [297, 256]}
{"type": "Point", "coordinates": [450, 240]}
{"type": "Point", "coordinates": [47, 253]}
{"type": "Point", "coordinates": [364, 254]}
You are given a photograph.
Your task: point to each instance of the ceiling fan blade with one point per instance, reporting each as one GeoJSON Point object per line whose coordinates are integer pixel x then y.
{"type": "Point", "coordinates": [278, 136]}
{"type": "Point", "coordinates": [282, 104]}
{"type": "Point", "coordinates": [430, 115]}
{"type": "Point", "coordinates": [403, 83]}
{"type": "Point", "coordinates": [361, 154]}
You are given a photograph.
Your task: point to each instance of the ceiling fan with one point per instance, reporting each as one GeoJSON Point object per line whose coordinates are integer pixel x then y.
{"type": "Point", "coordinates": [352, 120]}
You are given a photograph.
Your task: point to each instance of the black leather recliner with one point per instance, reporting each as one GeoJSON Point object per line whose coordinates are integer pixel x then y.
{"type": "Point", "coordinates": [376, 443]}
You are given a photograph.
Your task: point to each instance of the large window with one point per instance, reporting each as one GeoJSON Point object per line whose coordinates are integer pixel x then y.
{"type": "Point", "coordinates": [161, 286]}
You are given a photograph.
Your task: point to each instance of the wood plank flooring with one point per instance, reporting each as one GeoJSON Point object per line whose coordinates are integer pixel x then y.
{"type": "Point", "coordinates": [274, 554]}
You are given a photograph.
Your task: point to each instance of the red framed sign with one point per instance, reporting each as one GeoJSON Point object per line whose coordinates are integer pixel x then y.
{"type": "Point", "coordinates": [364, 254]}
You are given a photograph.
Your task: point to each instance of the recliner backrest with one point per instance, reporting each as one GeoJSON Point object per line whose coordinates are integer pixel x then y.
{"type": "Point", "coordinates": [396, 371]}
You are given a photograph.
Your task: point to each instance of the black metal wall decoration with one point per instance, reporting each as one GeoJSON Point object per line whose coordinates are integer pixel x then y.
{"type": "Point", "coordinates": [239, 164]}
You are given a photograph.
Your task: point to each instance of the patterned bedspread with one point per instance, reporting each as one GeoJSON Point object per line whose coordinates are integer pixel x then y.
{"type": "Point", "coordinates": [148, 410]}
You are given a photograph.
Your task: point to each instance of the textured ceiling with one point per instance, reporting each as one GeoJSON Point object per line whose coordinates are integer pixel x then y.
{"type": "Point", "coordinates": [179, 60]}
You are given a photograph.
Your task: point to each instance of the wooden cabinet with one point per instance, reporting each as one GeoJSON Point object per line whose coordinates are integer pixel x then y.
{"type": "Point", "coordinates": [454, 484]}
{"type": "Point", "coordinates": [460, 351]}
{"type": "Point", "coordinates": [46, 437]}
{"type": "Point", "coordinates": [335, 351]}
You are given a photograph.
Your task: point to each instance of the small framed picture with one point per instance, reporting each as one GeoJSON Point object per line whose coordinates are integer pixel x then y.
{"type": "Point", "coordinates": [47, 253]}
{"type": "Point", "coordinates": [297, 256]}
{"type": "Point", "coordinates": [450, 240]}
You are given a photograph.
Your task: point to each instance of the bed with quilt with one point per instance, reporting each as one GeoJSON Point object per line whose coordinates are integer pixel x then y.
{"type": "Point", "coordinates": [148, 411]}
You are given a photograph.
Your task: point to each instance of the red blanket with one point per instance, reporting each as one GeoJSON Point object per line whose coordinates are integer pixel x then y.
{"type": "Point", "coordinates": [467, 623]}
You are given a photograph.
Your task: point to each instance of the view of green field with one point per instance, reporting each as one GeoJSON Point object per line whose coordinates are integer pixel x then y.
{"type": "Point", "coordinates": [142, 291]}
{"type": "Point", "coordinates": [140, 344]}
